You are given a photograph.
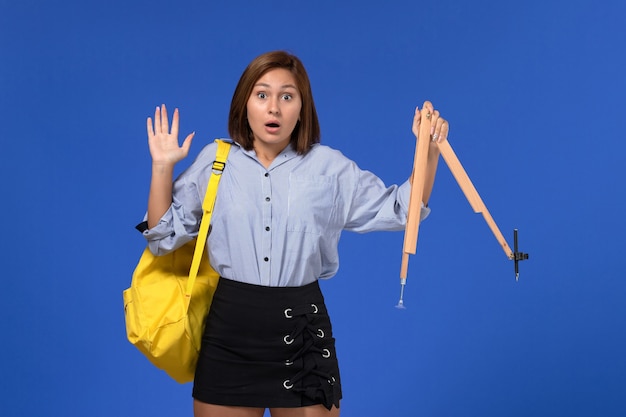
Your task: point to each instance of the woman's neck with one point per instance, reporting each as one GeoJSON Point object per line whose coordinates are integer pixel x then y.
{"type": "Point", "coordinates": [267, 154]}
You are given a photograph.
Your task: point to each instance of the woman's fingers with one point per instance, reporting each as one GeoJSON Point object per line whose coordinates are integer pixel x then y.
{"type": "Point", "coordinates": [164, 146]}
{"type": "Point", "coordinates": [161, 122]}
{"type": "Point", "coordinates": [435, 125]}
{"type": "Point", "coordinates": [444, 131]}
{"type": "Point", "coordinates": [149, 128]}
{"type": "Point", "coordinates": [438, 125]}
{"type": "Point", "coordinates": [157, 120]}
{"type": "Point", "coordinates": [174, 131]}
{"type": "Point", "coordinates": [416, 121]}
{"type": "Point", "coordinates": [164, 122]}
{"type": "Point", "coordinates": [187, 143]}
{"type": "Point", "coordinates": [440, 130]}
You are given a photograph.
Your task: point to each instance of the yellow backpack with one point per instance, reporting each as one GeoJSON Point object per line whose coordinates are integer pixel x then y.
{"type": "Point", "coordinates": [170, 295]}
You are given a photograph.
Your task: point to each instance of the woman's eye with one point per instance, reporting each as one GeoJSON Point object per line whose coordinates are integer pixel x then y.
{"type": "Point", "coordinates": [261, 95]}
{"type": "Point", "coordinates": [287, 97]}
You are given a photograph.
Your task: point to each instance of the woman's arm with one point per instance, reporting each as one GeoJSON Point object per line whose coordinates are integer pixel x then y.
{"type": "Point", "coordinates": [165, 154]}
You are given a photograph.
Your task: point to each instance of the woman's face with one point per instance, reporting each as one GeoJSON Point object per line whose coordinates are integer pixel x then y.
{"type": "Point", "coordinates": [273, 110]}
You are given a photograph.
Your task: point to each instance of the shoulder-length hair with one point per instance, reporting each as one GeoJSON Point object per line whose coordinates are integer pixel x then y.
{"type": "Point", "coordinates": [307, 130]}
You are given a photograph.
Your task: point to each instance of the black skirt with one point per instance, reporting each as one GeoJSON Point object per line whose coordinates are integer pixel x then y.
{"type": "Point", "coordinates": [267, 347]}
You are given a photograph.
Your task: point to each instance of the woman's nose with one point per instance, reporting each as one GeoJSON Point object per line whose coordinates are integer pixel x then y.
{"type": "Point", "coordinates": [273, 107]}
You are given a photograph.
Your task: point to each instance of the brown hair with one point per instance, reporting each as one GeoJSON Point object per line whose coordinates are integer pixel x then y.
{"type": "Point", "coordinates": [307, 130]}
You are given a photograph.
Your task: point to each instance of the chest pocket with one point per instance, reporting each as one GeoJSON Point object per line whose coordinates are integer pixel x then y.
{"type": "Point", "coordinates": [311, 203]}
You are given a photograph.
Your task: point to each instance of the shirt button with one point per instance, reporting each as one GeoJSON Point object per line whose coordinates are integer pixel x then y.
{"type": "Point", "coordinates": [267, 174]}
{"type": "Point", "coordinates": [266, 259]}
{"type": "Point", "coordinates": [267, 228]}
{"type": "Point", "coordinates": [267, 199]}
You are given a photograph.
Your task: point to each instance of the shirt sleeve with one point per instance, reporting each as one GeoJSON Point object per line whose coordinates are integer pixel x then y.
{"type": "Point", "coordinates": [404, 197]}
{"type": "Point", "coordinates": [181, 221]}
{"type": "Point", "coordinates": [177, 227]}
{"type": "Point", "coordinates": [375, 206]}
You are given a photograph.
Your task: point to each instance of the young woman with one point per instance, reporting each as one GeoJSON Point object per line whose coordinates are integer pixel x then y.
{"type": "Point", "coordinates": [282, 203]}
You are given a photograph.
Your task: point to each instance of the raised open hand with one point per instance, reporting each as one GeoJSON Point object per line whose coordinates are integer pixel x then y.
{"type": "Point", "coordinates": [163, 143]}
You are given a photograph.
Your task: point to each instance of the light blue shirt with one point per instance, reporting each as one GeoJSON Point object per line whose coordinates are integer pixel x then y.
{"type": "Point", "coordinates": [280, 226]}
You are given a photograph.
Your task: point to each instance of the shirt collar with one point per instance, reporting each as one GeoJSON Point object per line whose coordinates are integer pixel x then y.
{"type": "Point", "coordinates": [287, 154]}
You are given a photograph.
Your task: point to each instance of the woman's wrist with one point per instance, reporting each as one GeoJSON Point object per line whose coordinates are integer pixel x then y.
{"type": "Point", "coordinates": [162, 168]}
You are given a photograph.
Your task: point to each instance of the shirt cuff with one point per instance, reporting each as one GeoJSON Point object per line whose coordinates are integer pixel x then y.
{"type": "Point", "coordinates": [404, 197]}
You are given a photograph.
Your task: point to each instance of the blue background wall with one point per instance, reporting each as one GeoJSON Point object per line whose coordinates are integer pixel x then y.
{"type": "Point", "coordinates": [534, 92]}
